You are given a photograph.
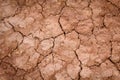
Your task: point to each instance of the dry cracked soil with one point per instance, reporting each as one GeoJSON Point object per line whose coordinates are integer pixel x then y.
{"type": "Point", "coordinates": [59, 39]}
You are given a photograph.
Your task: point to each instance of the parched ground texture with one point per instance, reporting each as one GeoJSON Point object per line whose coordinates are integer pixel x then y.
{"type": "Point", "coordinates": [59, 39]}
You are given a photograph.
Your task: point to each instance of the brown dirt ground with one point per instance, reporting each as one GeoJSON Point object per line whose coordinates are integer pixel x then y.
{"type": "Point", "coordinates": [59, 39]}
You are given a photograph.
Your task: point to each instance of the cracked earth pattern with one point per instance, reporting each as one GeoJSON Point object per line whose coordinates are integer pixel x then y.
{"type": "Point", "coordinates": [59, 39]}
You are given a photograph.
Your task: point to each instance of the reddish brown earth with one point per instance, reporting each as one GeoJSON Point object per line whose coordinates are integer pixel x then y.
{"type": "Point", "coordinates": [59, 39]}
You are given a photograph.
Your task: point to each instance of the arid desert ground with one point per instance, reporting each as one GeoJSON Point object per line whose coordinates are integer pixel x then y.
{"type": "Point", "coordinates": [59, 39]}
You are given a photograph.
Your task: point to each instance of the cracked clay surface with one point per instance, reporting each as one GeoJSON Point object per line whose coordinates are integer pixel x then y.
{"type": "Point", "coordinates": [59, 39]}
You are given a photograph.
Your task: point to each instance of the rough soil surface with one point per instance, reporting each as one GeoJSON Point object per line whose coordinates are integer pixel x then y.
{"type": "Point", "coordinates": [59, 39]}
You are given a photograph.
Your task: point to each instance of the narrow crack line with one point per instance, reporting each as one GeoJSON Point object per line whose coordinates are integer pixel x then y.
{"type": "Point", "coordinates": [15, 69]}
{"type": "Point", "coordinates": [17, 42]}
{"type": "Point", "coordinates": [69, 75]}
{"type": "Point", "coordinates": [42, 7]}
{"type": "Point", "coordinates": [80, 65]}
{"type": "Point", "coordinates": [17, 11]}
{"type": "Point", "coordinates": [113, 4]}
{"type": "Point", "coordinates": [33, 69]}
{"type": "Point", "coordinates": [66, 3]}
{"type": "Point", "coordinates": [111, 44]}
{"type": "Point", "coordinates": [61, 25]}
{"type": "Point", "coordinates": [57, 35]}
{"type": "Point", "coordinates": [50, 37]}
{"type": "Point", "coordinates": [53, 44]}
{"type": "Point", "coordinates": [41, 4]}
{"type": "Point", "coordinates": [18, 32]}
{"type": "Point", "coordinates": [13, 27]}
{"type": "Point", "coordinates": [60, 12]}
{"type": "Point", "coordinates": [11, 51]}
{"type": "Point", "coordinates": [19, 4]}
{"type": "Point", "coordinates": [94, 26]}
{"type": "Point", "coordinates": [114, 65]}
{"type": "Point", "coordinates": [38, 52]}
{"type": "Point", "coordinates": [14, 49]}
{"type": "Point", "coordinates": [62, 8]}
{"type": "Point", "coordinates": [40, 73]}
{"type": "Point", "coordinates": [111, 49]}
{"type": "Point", "coordinates": [109, 58]}
{"type": "Point", "coordinates": [91, 17]}
{"type": "Point", "coordinates": [52, 50]}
